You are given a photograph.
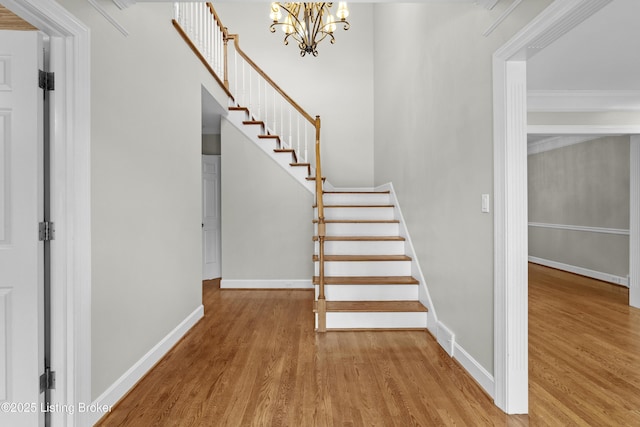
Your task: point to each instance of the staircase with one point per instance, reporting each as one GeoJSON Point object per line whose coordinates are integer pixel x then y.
{"type": "Point", "coordinates": [368, 281]}
{"type": "Point", "coordinates": [366, 276]}
{"type": "Point", "coordinates": [272, 145]}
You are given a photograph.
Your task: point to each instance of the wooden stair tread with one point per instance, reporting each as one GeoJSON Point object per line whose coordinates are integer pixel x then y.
{"type": "Point", "coordinates": [356, 206]}
{"type": "Point", "coordinates": [300, 164]}
{"type": "Point", "coordinates": [238, 109]}
{"type": "Point", "coordinates": [253, 122]}
{"type": "Point", "coordinates": [269, 137]}
{"type": "Point", "coordinates": [363, 258]}
{"type": "Point", "coordinates": [313, 178]}
{"type": "Point", "coordinates": [359, 221]}
{"type": "Point", "coordinates": [373, 306]}
{"type": "Point", "coordinates": [357, 192]}
{"type": "Point", "coordinates": [366, 280]}
{"type": "Point", "coordinates": [361, 238]}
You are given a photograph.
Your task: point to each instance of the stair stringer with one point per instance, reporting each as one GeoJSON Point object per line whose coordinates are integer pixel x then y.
{"type": "Point", "coordinates": [236, 118]}
{"type": "Point", "coordinates": [423, 294]}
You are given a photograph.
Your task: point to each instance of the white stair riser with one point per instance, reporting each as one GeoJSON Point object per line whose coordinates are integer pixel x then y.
{"type": "Point", "coordinates": [356, 199]}
{"type": "Point", "coordinates": [365, 268]}
{"type": "Point", "coordinates": [361, 229]}
{"type": "Point", "coordinates": [375, 320]}
{"type": "Point", "coordinates": [370, 292]}
{"type": "Point", "coordinates": [382, 213]}
{"type": "Point", "coordinates": [355, 247]}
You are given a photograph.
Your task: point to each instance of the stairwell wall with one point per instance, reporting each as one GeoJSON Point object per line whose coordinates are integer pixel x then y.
{"type": "Point", "coordinates": [337, 84]}
{"type": "Point", "coordinates": [146, 141]}
{"type": "Point", "coordinates": [434, 140]}
{"type": "Point", "coordinates": [266, 217]}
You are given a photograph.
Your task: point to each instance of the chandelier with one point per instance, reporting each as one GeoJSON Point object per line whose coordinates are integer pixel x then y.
{"type": "Point", "coordinates": [308, 23]}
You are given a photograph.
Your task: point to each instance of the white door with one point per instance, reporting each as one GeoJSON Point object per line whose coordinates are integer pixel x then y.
{"type": "Point", "coordinates": [211, 243]}
{"type": "Point", "coordinates": [21, 209]}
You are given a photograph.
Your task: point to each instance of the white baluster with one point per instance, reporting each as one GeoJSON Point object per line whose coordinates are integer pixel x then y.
{"type": "Point", "coordinates": [298, 131]}
{"type": "Point", "coordinates": [290, 128]}
{"type": "Point", "coordinates": [274, 112]}
{"type": "Point", "coordinates": [306, 141]}
{"type": "Point", "coordinates": [235, 73]}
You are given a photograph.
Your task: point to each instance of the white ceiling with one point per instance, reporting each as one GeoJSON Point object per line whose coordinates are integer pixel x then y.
{"type": "Point", "coordinates": [602, 53]}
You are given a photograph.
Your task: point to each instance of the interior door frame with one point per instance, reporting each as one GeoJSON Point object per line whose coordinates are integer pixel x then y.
{"type": "Point", "coordinates": [218, 161]}
{"type": "Point", "coordinates": [511, 354]}
{"type": "Point", "coordinates": [70, 195]}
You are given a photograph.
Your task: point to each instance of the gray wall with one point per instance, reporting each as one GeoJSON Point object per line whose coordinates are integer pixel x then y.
{"type": "Point", "coordinates": [266, 215]}
{"type": "Point", "coordinates": [434, 141]}
{"type": "Point", "coordinates": [585, 184]}
{"type": "Point", "coordinates": [146, 180]}
{"type": "Point", "coordinates": [337, 85]}
{"type": "Point", "coordinates": [211, 144]}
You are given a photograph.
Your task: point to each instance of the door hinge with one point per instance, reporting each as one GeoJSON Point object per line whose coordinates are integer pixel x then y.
{"type": "Point", "coordinates": [47, 380]}
{"type": "Point", "coordinates": [46, 231]}
{"type": "Point", "coordinates": [46, 80]}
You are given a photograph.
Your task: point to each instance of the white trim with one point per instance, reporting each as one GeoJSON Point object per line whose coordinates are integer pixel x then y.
{"type": "Point", "coordinates": [582, 100]}
{"type": "Point", "coordinates": [510, 198]}
{"type": "Point", "coordinates": [583, 129]}
{"type": "Point", "coordinates": [555, 142]}
{"type": "Point", "coordinates": [481, 375]}
{"type": "Point", "coordinates": [487, 4]}
{"type": "Point", "coordinates": [108, 17]}
{"type": "Point", "coordinates": [446, 338]}
{"type": "Point", "coordinates": [502, 17]}
{"type": "Point", "coordinates": [634, 222]}
{"type": "Point", "coordinates": [122, 385]}
{"type": "Point", "coordinates": [71, 183]}
{"type": "Point", "coordinates": [605, 277]}
{"type": "Point", "coordinates": [603, 230]}
{"type": "Point", "coordinates": [266, 284]}
{"type": "Point", "coordinates": [416, 270]}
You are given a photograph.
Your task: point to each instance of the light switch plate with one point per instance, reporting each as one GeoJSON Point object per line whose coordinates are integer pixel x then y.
{"type": "Point", "coordinates": [485, 203]}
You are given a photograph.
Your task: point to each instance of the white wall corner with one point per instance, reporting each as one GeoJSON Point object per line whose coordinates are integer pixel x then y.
{"type": "Point", "coordinates": [446, 338]}
{"type": "Point", "coordinates": [416, 271]}
{"type": "Point", "coordinates": [634, 222]}
{"type": "Point", "coordinates": [582, 100]}
{"type": "Point", "coordinates": [134, 374]}
{"type": "Point", "coordinates": [266, 284]}
{"type": "Point", "coordinates": [475, 369]}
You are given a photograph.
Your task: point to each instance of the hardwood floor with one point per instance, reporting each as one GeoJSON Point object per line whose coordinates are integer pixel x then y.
{"type": "Point", "coordinates": [584, 351]}
{"type": "Point", "coordinates": [254, 360]}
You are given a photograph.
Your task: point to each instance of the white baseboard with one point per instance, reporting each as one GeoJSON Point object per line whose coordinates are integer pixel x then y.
{"type": "Point", "coordinates": [605, 277]}
{"type": "Point", "coordinates": [482, 377]}
{"type": "Point", "coordinates": [265, 284]}
{"type": "Point", "coordinates": [123, 384]}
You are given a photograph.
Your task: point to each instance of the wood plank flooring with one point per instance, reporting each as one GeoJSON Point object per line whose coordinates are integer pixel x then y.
{"type": "Point", "coordinates": [254, 360]}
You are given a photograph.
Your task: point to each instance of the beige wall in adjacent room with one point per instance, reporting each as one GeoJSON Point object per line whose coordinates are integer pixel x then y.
{"type": "Point", "coordinates": [434, 141]}
{"type": "Point", "coordinates": [587, 185]}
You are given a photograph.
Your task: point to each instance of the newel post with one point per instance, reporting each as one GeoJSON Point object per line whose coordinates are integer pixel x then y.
{"type": "Point", "coordinates": [225, 34]}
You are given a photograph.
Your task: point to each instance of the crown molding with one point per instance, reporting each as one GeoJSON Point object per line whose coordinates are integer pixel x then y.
{"type": "Point", "coordinates": [582, 100]}
{"type": "Point", "coordinates": [123, 4]}
{"type": "Point", "coordinates": [555, 142]}
{"type": "Point", "coordinates": [487, 4]}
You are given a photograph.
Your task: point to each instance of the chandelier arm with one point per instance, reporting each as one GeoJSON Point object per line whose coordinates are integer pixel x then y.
{"type": "Point", "coordinates": [318, 19]}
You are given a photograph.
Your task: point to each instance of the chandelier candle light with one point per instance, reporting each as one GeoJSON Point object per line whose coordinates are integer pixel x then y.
{"type": "Point", "coordinates": [308, 23]}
